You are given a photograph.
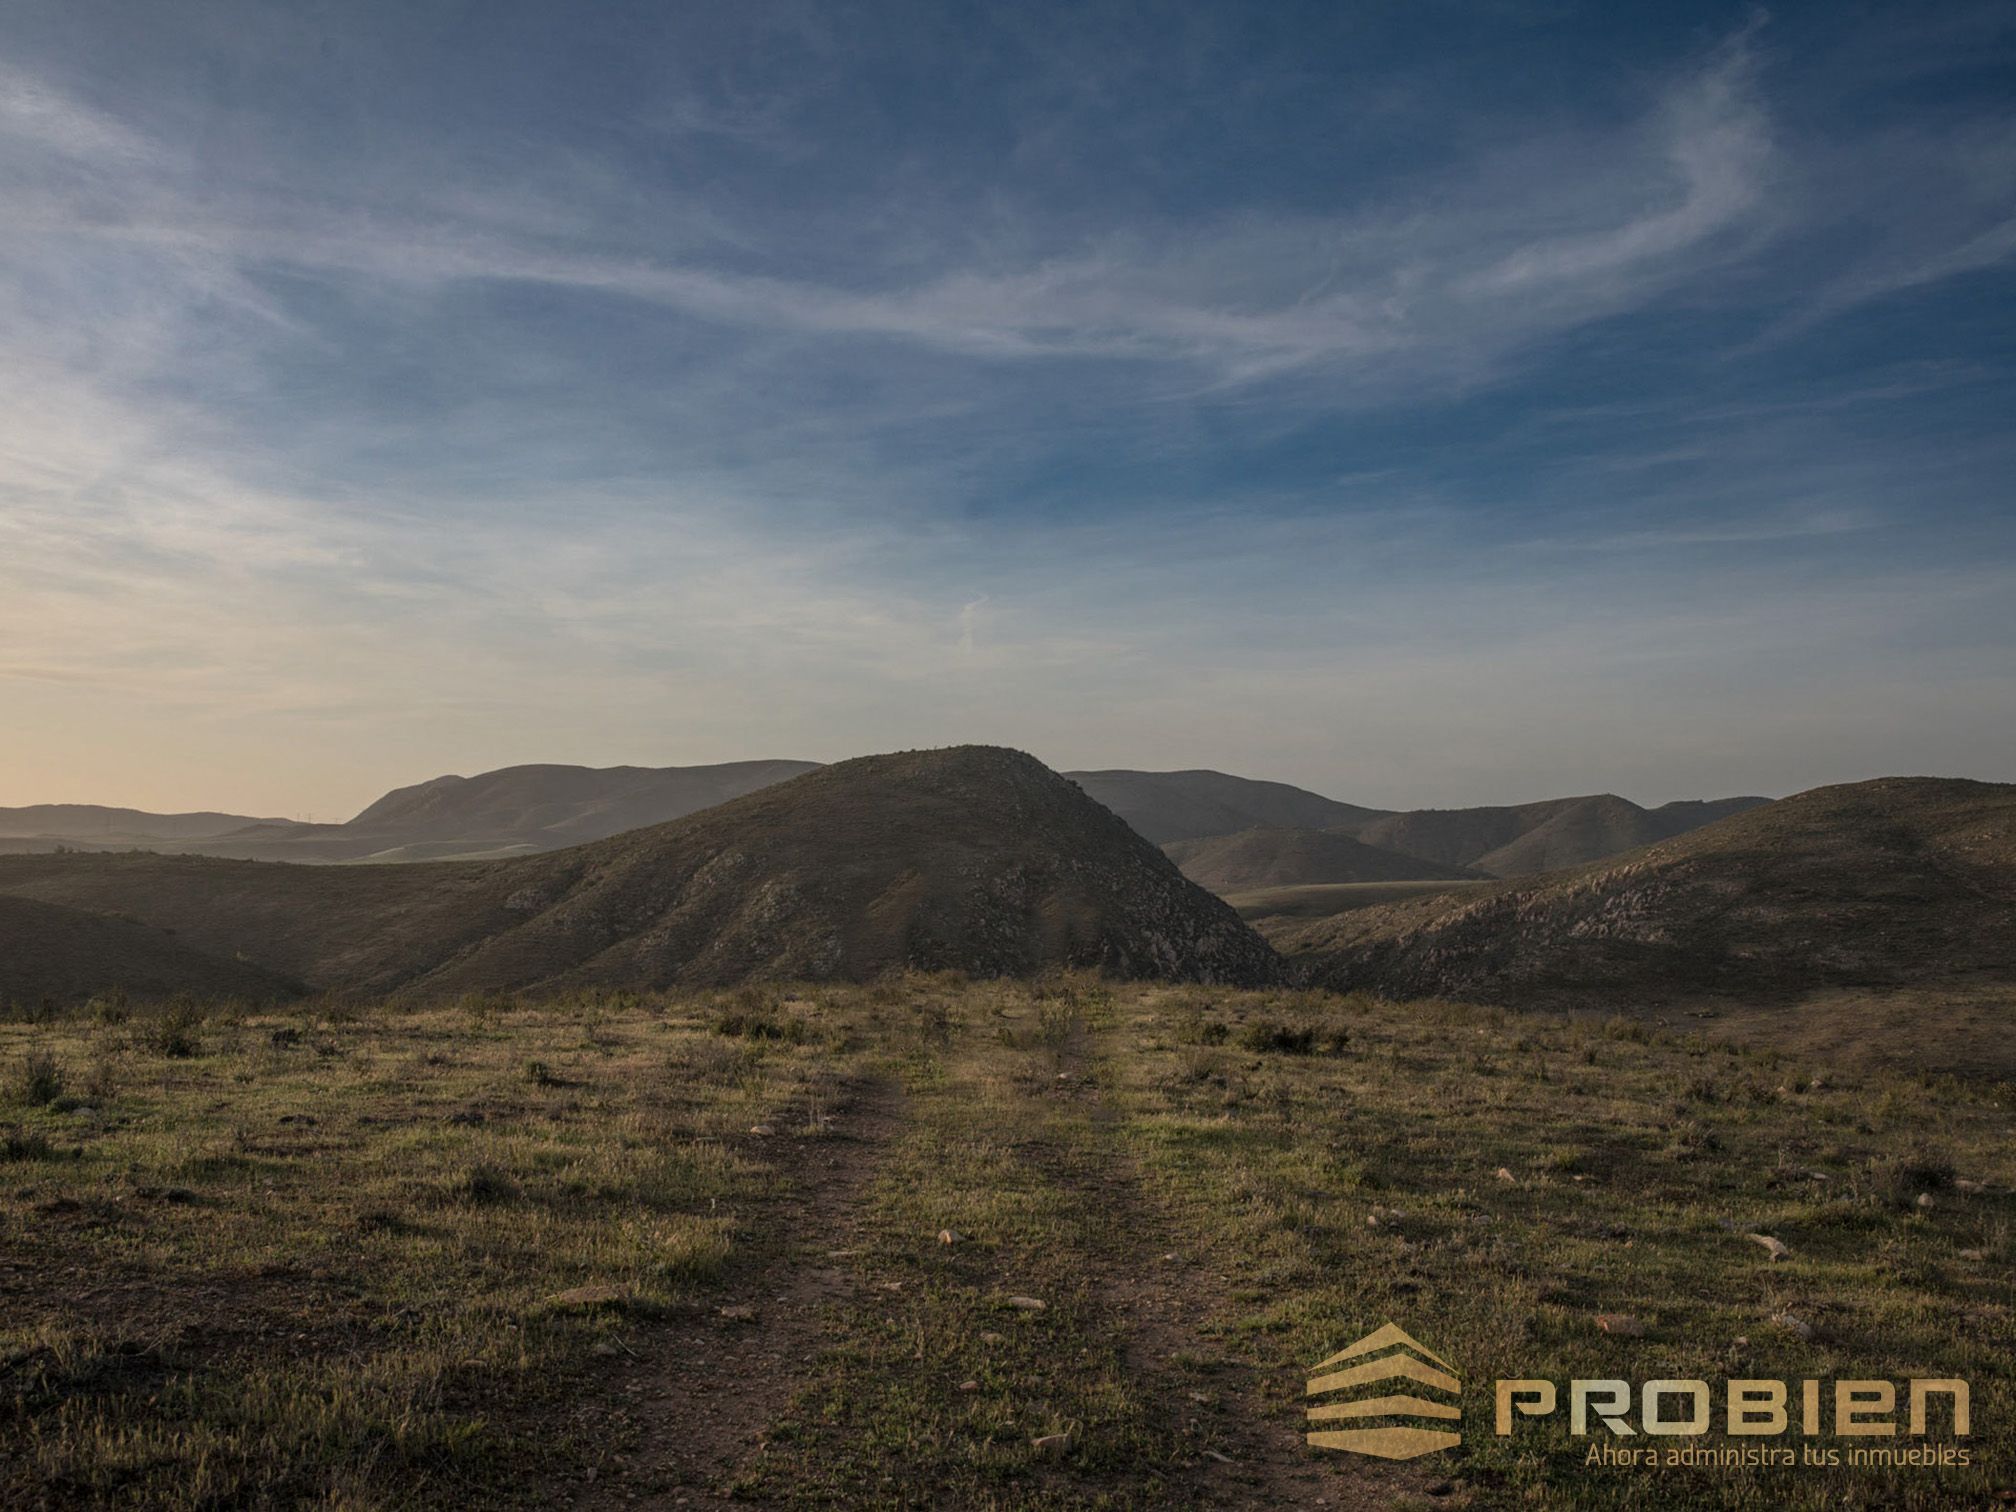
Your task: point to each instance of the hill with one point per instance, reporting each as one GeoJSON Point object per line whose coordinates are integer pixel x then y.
{"type": "Point", "coordinates": [48, 952]}
{"type": "Point", "coordinates": [1258, 858]}
{"type": "Point", "coordinates": [1166, 806]}
{"type": "Point", "coordinates": [1886, 885]}
{"type": "Point", "coordinates": [511, 811]}
{"type": "Point", "coordinates": [95, 824]}
{"type": "Point", "coordinates": [973, 859]}
{"type": "Point", "coordinates": [1522, 839]}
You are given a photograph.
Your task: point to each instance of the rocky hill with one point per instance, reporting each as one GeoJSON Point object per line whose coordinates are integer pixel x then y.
{"type": "Point", "coordinates": [1872, 885]}
{"type": "Point", "coordinates": [975, 859]}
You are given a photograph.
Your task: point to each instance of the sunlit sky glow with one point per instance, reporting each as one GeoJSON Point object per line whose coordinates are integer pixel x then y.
{"type": "Point", "coordinates": [1428, 404]}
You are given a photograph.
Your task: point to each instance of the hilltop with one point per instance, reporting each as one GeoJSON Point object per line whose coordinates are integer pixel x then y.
{"type": "Point", "coordinates": [1522, 839]}
{"type": "Point", "coordinates": [974, 859]}
{"type": "Point", "coordinates": [1890, 886]}
{"type": "Point", "coordinates": [1266, 858]}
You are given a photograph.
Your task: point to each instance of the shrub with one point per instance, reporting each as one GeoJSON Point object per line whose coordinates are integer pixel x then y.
{"type": "Point", "coordinates": [1902, 1179]}
{"type": "Point", "coordinates": [760, 1026]}
{"type": "Point", "coordinates": [25, 1144]}
{"type": "Point", "coordinates": [488, 1184]}
{"type": "Point", "coordinates": [39, 1080]}
{"type": "Point", "coordinates": [1265, 1035]}
{"type": "Point", "coordinates": [172, 1032]}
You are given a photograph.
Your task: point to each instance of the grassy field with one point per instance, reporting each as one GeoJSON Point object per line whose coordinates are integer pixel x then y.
{"type": "Point", "coordinates": [937, 1244]}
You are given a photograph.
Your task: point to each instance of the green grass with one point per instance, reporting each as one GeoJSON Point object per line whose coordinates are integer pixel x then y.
{"type": "Point", "coordinates": [311, 1257]}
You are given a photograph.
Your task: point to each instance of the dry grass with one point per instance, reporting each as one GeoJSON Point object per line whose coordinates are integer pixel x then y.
{"type": "Point", "coordinates": [313, 1261]}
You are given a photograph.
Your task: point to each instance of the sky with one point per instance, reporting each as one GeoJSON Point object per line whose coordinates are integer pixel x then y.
{"type": "Point", "coordinates": [1425, 403]}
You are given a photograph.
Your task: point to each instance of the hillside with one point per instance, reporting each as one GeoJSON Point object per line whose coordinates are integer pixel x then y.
{"type": "Point", "coordinates": [974, 859]}
{"type": "Point", "coordinates": [49, 952]}
{"type": "Point", "coordinates": [1522, 839]}
{"type": "Point", "coordinates": [1258, 858]}
{"type": "Point", "coordinates": [1166, 806]}
{"type": "Point", "coordinates": [1896, 883]}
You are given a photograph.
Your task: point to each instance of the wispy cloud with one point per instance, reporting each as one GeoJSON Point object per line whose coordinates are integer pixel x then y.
{"type": "Point", "coordinates": [1430, 485]}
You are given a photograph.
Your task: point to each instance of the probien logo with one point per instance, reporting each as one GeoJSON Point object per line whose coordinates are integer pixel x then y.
{"type": "Point", "coordinates": [1406, 1361]}
{"type": "Point", "coordinates": [1757, 1410]}
{"type": "Point", "coordinates": [1751, 1408]}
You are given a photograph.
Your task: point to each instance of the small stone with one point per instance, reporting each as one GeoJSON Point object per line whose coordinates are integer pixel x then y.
{"type": "Point", "coordinates": [1973, 1254]}
{"type": "Point", "coordinates": [1773, 1247]}
{"type": "Point", "coordinates": [969, 1385]}
{"type": "Point", "coordinates": [992, 1338]}
{"type": "Point", "coordinates": [1052, 1445]}
{"type": "Point", "coordinates": [736, 1312]}
{"type": "Point", "coordinates": [1796, 1326]}
{"type": "Point", "coordinates": [1505, 1175]}
{"type": "Point", "coordinates": [1223, 1459]}
{"type": "Point", "coordinates": [761, 1131]}
{"type": "Point", "coordinates": [949, 1236]}
{"type": "Point", "coordinates": [1028, 1304]}
{"type": "Point", "coordinates": [1624, 1325]}
{"type": "Point", "coordinates": [1925, 1202]}
{"type": "Point", "coordinates": [1962, 1184]}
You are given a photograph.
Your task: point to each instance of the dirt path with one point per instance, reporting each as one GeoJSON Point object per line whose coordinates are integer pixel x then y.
{"type": "Point", "coordinates": [698, 1395]}
{"type": "Point", "coordinates": [1163, 1293]}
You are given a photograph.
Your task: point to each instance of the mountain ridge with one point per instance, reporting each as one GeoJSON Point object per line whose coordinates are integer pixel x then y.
{"type": "Point", "coordinates": [973, 859]}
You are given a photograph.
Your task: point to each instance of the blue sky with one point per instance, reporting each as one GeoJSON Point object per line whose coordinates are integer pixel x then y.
{"type": "Point", "coordinates": [1426, 403]}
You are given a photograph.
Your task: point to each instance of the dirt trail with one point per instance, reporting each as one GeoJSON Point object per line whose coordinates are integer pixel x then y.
{"type": "Point", "coordinates": [1163, 1293]}
{"type": "Point", "coordinates": [701, 1393]}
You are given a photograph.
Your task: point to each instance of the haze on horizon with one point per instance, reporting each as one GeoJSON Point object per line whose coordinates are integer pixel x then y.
{"type": "Point", "coordinates": [1425, 405]}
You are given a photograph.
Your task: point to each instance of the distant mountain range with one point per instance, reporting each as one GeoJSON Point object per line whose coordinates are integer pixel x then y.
{"type": "Point", "coordinates": [1876, 920]}
{"type": "Point", "coordinates": [523, 810]}
{"type": "Point", "coordinates": [973, 859]}
{"type": "Point", "coordinates": [1881, 884]}
{"type": "Point", "coordinates": [1168, 806]}
{"type": "Point", "coordinates": [1258, 858]}
{"type": "Point", "coordinates": [1526, 838]}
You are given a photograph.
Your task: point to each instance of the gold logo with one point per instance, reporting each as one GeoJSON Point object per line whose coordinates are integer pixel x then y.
{"type": "Point", "coordinates": [1409, 1361]}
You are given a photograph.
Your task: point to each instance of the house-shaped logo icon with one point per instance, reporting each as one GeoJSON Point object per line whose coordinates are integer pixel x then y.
{"type": "Point", "coordinates": [1386, 1354]}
